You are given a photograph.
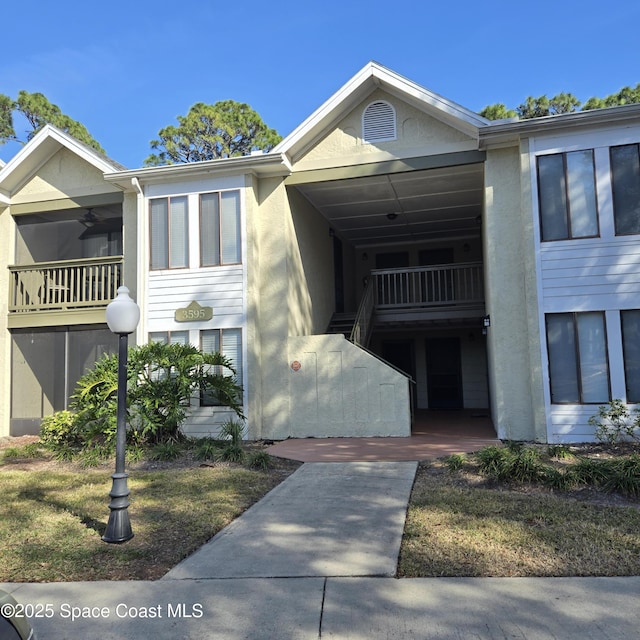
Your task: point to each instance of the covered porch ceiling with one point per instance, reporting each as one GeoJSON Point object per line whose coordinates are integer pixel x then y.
{"type": "Point", "coordinates": [409, 206]}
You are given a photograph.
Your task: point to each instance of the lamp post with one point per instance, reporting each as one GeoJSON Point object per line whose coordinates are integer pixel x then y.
{"type": "Point", "coordinates": [123, 315]}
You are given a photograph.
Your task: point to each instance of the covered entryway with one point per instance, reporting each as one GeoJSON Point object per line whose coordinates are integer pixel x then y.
{"type": "Point", "coordinates": [435, 434]}
{"type": "Point", "coordinates": [413, 284]}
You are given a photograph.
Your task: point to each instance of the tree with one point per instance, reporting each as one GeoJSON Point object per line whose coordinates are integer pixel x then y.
{"type": "Point", "coordinates": [497, 112]}
{"type": "Point", "coordinates": [561, 103]}
{"type": "Point", "coordinates": [544, 106]}
{"type": "Point", "coordinates": [626, 95]}
{"type": "Point", "coordinates": [209, 131]}
{"type": "Point", "coordinates": [36, 109]}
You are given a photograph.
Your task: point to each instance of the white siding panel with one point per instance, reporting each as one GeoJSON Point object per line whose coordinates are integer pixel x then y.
{"type": "Point", "coordinates": [570, 423]}
{"type": "Point", "coordinates": [590, 275]}
{"type": "Point", "coordinates": [220, 288]}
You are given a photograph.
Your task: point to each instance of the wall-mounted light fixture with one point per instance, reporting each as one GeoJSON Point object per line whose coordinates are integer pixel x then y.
{"type": "Point", "coordinates": [392, 216]}
{"type": "Point", "coordinates": [486, 323]}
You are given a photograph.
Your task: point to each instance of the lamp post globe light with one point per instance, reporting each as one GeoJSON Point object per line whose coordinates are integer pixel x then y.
{"type": "Point", "coordinates": [123, 315]}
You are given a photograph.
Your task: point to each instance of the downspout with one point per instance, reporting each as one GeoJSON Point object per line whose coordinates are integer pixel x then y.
{"type": "Point", "coordinates": [141, 260]}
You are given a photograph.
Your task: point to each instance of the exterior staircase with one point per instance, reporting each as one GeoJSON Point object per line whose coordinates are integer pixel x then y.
{"type": "Point", "coordinates": [342, 323]}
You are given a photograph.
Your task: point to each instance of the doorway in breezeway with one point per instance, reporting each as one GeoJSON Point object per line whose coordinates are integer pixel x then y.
{"type": "Point", "coordinates": [444, 373]}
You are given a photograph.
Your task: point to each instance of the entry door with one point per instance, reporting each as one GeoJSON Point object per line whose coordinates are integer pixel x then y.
{"type": "Point", "coordinates": [444, 374]}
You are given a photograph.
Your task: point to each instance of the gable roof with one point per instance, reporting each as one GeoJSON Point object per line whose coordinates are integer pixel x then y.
{"type": "Point", "coordinates": [48, 141]}
{"type": "Point", "coordinates": [371, 77]}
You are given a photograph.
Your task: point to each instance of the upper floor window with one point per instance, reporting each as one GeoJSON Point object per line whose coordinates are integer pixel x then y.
{"type": "Point", "coordinates": [625, 182]}
{"type": "Point", "coordinates": [379, 122]}
{"type": "Point", "coordinates": [220, 228]}
{"type": "Point", "coordinates": [169, 232]}
{"type": "Point", "coordinates": [567, 195]}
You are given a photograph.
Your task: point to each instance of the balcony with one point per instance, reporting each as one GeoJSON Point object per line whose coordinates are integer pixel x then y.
{"type": "Point", "coordinates": [67, 285]}
{"type": "Point", "coordinates": [429, 294]}
{"type": "Point", "coordinates": [451, 293]}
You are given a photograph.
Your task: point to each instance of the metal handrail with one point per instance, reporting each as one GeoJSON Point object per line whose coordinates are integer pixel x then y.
{"type": "Point", "coordinates": [363, 323]}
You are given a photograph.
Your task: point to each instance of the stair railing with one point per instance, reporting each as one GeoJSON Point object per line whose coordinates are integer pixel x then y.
{"type": "Point", "coordinates": [363, 324]}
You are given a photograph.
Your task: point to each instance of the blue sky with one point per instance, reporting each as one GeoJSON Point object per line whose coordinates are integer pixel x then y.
{"type": "Point", "coordinates": [127, 69]}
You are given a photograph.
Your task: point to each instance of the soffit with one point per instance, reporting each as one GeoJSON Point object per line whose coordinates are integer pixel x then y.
{"type": "Point", "coordinates": [430, 204]}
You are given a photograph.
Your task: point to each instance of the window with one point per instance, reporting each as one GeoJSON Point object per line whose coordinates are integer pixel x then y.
{"type": "Point", "coordinates": [631, 350]}
{"type": "Point", "coordinates": [625, 182]}
{"type": "Point", "coordinates": [169, 337]}
{"type": "Point", "coordinates": [578, 365]}
{"type": "Point", "coordinates": [169, 233]}
{"type": "Point", "coordinates": [228, 342]}
{"type": "Point", "coordinates": [567, 194]}
{"type": "Point", "coordinates": [220, 228]}
{"type": "Point", "coordinates": [379, 122]}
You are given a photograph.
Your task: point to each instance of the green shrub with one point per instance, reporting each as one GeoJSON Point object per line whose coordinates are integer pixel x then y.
{"type": "Point", "coordinates": [494, 462]}
{"type": "Point", "coordinates": [162, 379]}
{"type": "Point", "coordinates": [455, 462]}
{"type": "Point", "coordinates": [558, 479]}
{"type": "Point", "coordinates": [260, 460]}
{"type": "Point", "coordinates": [526, 466]}
{"type": "Point", "coordinates": [31, 450]}
{"type": "Point", "coordinates": [613, 423]}
{"type": "Point", "coordinates": [166, 451]}
{"type": "Point", "coordinates": [514, 463]}
{"type": "Point", "coordinates": [232, 433]}
{"type": "Point", "coordinates": [624, 476]}
{"type": "Point", "coordinates": [61, 431]}
{"type": "Point", "coordinates": [206, 449]}
{"type": "Point", "coordinates": [589, 472]}
{"type": "Point", "coordinates": [559, 451]}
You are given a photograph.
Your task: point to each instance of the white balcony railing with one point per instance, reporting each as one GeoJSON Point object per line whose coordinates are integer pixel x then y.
{"type": "Point", "coordinates": [69, 284]}
{"type": "Point", "coordinates": [435, 286]}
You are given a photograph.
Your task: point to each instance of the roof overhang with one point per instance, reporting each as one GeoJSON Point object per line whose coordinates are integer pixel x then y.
{"type": "Point", "coordinates": [264, 165]}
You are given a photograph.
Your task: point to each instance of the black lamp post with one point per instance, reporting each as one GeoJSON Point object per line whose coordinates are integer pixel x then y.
{"type": "Point", "coordinates": [123, 315]}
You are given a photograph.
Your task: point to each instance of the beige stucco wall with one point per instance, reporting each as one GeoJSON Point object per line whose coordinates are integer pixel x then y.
{"type": "Point", "coordinates": [337, 389]}
{"type": "Point", "coordinates": [64, 175]}
{"type": "Point", "coordinates": [418, 134]}
{"type": "Point", "coordinates": [269, 274]}
{"type": "Point", "coordinates": [310, 296]}
{"type": "Point", "coordinates": [511, 300]}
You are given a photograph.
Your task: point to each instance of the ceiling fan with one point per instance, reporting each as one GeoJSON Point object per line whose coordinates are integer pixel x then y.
{"type": "Point", "coordinates": [90, 219]}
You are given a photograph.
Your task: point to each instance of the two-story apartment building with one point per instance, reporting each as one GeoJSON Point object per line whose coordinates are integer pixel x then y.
{"type": "Point", "coordinates": [396, 252]}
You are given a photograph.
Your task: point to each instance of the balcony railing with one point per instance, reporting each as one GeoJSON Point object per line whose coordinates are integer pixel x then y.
{"type": "Point", "coordinates": [70, 284]}
{"type": "Point", "coordinates": [437, 286]}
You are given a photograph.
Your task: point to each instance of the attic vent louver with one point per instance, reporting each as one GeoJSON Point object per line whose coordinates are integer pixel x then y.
{"type": "Point", "coordinates": [379, 122]}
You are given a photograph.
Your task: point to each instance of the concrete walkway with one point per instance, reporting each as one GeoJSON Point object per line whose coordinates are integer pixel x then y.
{"type": "Point", "coordinates": [314, 559]}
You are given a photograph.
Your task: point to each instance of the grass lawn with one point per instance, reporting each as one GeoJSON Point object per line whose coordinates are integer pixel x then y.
{"type": "Point", "coordinates": [52, 516]}
{"type": "Point", "coordinates": [459, 524]}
